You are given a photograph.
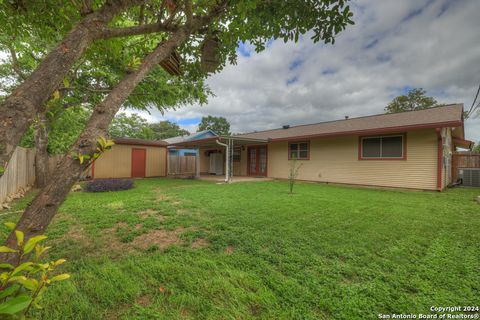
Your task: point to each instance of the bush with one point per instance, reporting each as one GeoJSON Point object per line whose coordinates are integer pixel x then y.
{"type": "Point", "coordinates": [23, 284]}
{"type": "Point", "coordinates": [103, 185]}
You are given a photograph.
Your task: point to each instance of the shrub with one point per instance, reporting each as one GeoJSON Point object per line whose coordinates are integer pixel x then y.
{"type": "Point", "coordinates": [103, 185]}
{"type": "Point", "coordinates": [23, 284]}
{"type": "Point", "coordinates": [293, 174]}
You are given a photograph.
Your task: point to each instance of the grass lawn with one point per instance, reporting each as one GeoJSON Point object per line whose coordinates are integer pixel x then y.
{"type": "Point", "coordinates": [176, 249]}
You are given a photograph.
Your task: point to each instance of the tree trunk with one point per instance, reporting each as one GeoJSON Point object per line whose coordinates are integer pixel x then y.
{"type": "Point", "coordinates": [42, 209]}
{"type": "Point", "coordinates": [41, 152]}
{"type": "Point", "coordinates": [19, 109]}
{"type": "Point", "coordinates": [40, 212]}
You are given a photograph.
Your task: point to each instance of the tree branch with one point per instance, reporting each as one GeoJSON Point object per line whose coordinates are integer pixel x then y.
{"type": "Point", "coordinates": [137, 30]}
{"type": "Point", "coordinates": [21, 106]}
{"type": "Point", "coordinates": [15, 65]}
{"type": "Point", "coordinates": [188, 12]}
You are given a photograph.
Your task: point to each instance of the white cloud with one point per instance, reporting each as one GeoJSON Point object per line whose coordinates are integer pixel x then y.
{"type": "Point", "coordinates": [394, 44]}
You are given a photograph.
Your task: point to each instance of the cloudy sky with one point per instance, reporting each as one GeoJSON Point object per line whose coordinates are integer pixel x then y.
{"type": "Point", "coordinates": [394, 45]}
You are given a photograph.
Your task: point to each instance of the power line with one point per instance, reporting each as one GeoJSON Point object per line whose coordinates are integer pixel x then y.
{"type": "Point", "coordinates": [475, 109]}
{"type": "Point", "coordinates": [473, 103]}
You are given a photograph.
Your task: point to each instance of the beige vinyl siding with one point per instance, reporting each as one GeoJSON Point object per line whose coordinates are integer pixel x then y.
{"type": "Point", "coordinates": [336, 160]}
{"type": "Point", "coordinates": [117, 162]}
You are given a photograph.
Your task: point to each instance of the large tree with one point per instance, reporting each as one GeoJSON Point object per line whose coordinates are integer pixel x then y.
{"type": "Point", "coordinates": [415, 99]}
{"type": "Point", "coordinates": [219, 125]}
{"type": "Point", "coordinates": [133, 126]}
{"type": "Point", "coordinates": [194, 29]}
{"type": "Point", "coordinates": [167, 129]}
{"type": "Point", "coordinates": [99, 69]}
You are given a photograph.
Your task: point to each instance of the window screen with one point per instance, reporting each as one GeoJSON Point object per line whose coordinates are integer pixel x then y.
{"type": "Point", "coordinates": [371, 147]}
{"type": "Point", "coordinates": [237, 151]}
{"type": "Point", "coordinates": [299, 150]}
{"type": "Point", "coordinates": [382, 147]}
{"type": "Point", "coordinates": [392, 147]}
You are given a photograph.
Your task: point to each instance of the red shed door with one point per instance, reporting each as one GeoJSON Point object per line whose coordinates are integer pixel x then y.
{"type": "Point", "coordinates": [139, 160]}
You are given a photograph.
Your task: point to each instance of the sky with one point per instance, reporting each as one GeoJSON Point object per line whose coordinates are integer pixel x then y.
{"type": "Point", "coordinates": [393, 46]}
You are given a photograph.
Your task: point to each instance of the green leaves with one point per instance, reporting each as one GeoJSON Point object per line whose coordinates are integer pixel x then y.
{"type": "Point", "coordinates": [20, 236]}
{"type": "Point", "coordinates": [6, 266]}
{"type": "Point", "coordinates": [24, 266]}
{"type": "Point", "coordinates": [219, 125]}
{"type": "Point", "coordinates": [5, 249]}
{"type": "Point", "coordinates": [8, 291]}
{"type": "Point", "coordinates": [22, 285]}
{"type": "Point", "coordinates": [56, 95]}
{"type": "Point", "coordinates": [133, 126]}
{"type": "Point", "coordinates": [104, 144]}
{"type": "Point", "coordinates": [81, 157]}
{"type": "Point", "coordinates": [32, 242]}
{"type": "Point", "coordinates": [15, 305]}
{"type": "Point", "coordinates": [60, 277]}
{"type": "Point", "coordinates": [30, 284]}
{"type": "Point", "coordinates": [415, 99]}
{"type": "Point", "coordinates": [10, 225]}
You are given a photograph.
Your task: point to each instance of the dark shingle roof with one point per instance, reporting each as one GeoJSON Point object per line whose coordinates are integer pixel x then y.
{"type": "Point", "coordinates": [449, 115]}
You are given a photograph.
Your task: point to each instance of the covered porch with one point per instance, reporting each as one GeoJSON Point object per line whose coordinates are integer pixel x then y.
{"type": "Point", "coordinates": [229, 158]}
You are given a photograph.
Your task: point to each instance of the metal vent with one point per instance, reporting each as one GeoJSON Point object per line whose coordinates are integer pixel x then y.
{"type": "Point", "coordinates": [470, 177]}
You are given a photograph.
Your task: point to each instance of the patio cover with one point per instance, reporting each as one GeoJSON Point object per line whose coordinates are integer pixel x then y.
{"type": "Point", "coordinates": [227, 142]}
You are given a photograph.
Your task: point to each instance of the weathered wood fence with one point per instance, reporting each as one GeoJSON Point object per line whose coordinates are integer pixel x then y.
{"type": "Point", "coordinates": [464, 160]}
{"type": "Point", "coordinates": [19, 174]}
{"type": "Point", "coordinates": [181, 165]}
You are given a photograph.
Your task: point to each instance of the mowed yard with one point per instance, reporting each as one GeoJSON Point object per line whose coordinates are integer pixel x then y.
{"type": "Point", "coordinates": [178, 249]}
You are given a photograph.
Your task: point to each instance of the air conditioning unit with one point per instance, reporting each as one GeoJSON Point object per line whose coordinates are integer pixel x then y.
{"type": "Point", "coordinates": [470, 176]}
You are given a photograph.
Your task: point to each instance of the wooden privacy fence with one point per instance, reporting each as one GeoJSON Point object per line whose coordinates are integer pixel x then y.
{"type": "Point", "coordinates": [464, 160]}
{"type": "Point", "coordinates": [181, 165]}
{"type": "Point", "coordinates": [19, 174]}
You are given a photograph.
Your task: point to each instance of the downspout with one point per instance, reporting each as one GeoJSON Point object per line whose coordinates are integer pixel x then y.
{"type": "Point", "coordinates": [227, 165]}
{"type": "Point", "coordinates": [439, 159]}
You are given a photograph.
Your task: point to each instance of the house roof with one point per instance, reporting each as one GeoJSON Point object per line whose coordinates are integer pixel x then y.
{"type": "Point", "coordinates": [189, 137]}
{"type": "Point", "coordinates": [140, 142]}
{"type": "Point", "coordinates": [437, 117]}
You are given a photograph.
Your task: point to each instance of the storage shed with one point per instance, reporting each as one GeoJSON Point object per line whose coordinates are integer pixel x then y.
{"type": "Point", "coordinates": [132, 158]}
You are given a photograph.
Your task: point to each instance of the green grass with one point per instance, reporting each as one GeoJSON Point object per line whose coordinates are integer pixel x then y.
{"type": "Point", "coordinates": [325, 252]}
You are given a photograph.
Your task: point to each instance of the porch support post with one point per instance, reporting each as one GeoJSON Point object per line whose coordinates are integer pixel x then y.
{"type": "Point", "coordinates": [227, 160]}
{"type": "Point", "coordinates": [231, 159]}
{"type": "Point", "coordinates": [197, 164]}
{"type": "Point", "coordinates": [227, 151]}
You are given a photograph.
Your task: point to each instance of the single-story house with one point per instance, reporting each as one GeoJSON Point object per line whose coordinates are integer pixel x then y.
{"type": "Point", "coordinates": [403, 150]}
{"type": "Point", "coordinates": [131, 158]}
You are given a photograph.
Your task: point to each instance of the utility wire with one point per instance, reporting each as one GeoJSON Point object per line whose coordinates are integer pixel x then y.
{"type": "Point", "coordinates": [475, 109]}
{"type": "Point", "coordinates": [473, 103]}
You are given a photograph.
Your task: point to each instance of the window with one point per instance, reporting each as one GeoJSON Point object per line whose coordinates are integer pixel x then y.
{"type": "Point", "coordinates": [385, 147]}
{"type": "Point", "coordinates": [299, 150]}
{"type": "Point", "coordinates": [237, 151]}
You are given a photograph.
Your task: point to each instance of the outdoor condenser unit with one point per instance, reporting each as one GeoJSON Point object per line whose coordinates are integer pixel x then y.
{"type": "Point", "coordinates": [470, 177]}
